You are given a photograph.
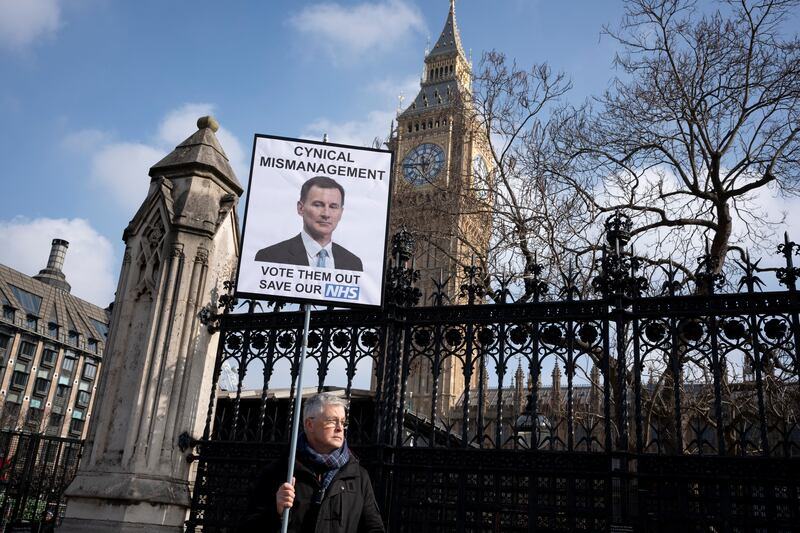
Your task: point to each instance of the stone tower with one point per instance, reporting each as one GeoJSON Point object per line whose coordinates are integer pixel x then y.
{"type": "Point", "coordinates": [442, 171]}
{"type": "Point", "coordinates": [180, 247]}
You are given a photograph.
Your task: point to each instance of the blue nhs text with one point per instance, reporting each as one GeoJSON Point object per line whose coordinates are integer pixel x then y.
{"type": "Point", "coordinates": [342, 292]}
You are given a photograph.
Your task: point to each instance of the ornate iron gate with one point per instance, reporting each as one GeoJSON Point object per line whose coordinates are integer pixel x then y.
{"type": "Point", "coordinates": [673, 412]}
{"type": "Point", "coordinates": [34, 471]}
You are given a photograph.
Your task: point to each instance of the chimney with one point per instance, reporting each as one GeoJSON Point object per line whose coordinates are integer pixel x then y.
{"type": "Point", "coordinates": [52, 275]}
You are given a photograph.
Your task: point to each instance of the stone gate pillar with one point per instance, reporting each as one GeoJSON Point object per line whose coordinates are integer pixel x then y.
{"type": "Point", "coordinates": [181, 245]}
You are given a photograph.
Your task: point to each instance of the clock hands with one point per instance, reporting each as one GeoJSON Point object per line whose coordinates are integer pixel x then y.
{"type": "Point", "coordinates": [423, 164]}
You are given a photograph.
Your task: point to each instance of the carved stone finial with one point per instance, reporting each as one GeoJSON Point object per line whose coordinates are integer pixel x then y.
{"type": "Point", "coordinates": [208, 122]}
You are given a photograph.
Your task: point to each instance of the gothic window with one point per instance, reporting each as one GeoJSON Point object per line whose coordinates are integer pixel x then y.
{"type": "Point", "coordinates": [410, 128]}
{"type": "Point", "coordinates": [416, 126]}
{"type": "Point", "coordinates": [430, 124]}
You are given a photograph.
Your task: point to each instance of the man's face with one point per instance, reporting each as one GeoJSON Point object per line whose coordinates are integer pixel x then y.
{"type": "Point", "coordinates": [321, 212]}
{"type": "Point", "coordinates": [325, 432]}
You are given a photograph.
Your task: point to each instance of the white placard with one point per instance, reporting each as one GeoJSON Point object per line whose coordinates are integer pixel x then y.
{"type": "Point", "coordinates": [344, 210]}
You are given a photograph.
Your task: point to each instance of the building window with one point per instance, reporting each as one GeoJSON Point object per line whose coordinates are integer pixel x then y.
{"type": "Point", "coordinates": [62, 390]}
{"type": "Point", "coordinates": [72, 337]}
{"type": "Point", "coordinates": [68, 365]}
{"type": "Point", "coordinates": [76, 427]}
{"type": "Point", "coordinates": [101, 327]}
{"type": "Point", "coordinates": [91, 345]}
{"type": "Point", "coordinates": [19, 379]}
{"type": "Point", "coordinates": [54, 423]}
{"type": "Point", "coordinates": [29, 301]}
{"type": "Point", "coordinates": [52, 330]}
{"type": "Point", "coordinates": [32, 322]}
{"type": "Point", "coordinates": [83, 398]}
{"type": "Point", "coordinates": [26, 350]}
{"type": "Point", "coordinates": [5, 342]}
{"type": "Point", "coordinates": [34, 418]}
{"type": "Point", "coordinates": [8, 313]}
{"type": "Point", "coordinates": [76, 424]}
{"type": "Point", "coordinates": [49, 356]}
{"type": "Point", "coordinates": [89, 371]}
{"type": "Point", "coordinates": [41, 386]}
{"type": "Point", "coordinates": [13, 397]}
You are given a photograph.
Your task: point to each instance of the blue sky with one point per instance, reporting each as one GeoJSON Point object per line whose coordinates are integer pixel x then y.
{"type": "Point", "coordinates": [94, 92]}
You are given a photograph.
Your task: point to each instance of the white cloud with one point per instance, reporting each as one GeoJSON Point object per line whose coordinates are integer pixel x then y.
{"type": "Point", "coordinates": [376, 123]}
{"type": "Point", "coordinates": [390, 89]}
{"type": "Point", "coordinates": [357, 132]}
{"type": "Point", "coordinates": [89, 264]}
{"type": "Point", "coordinates": [120, 168]}
{"type": "Point", "coordinates": [24, 21]}
{"type": "Point", "coordinates": [348, 31]}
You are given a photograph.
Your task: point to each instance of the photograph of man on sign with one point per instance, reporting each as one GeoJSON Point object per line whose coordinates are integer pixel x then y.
{"type": "Point", "coordinates": [321, 205]}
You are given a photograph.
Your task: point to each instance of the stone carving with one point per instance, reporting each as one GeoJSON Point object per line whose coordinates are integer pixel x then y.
{"type": "Point", "coordinates": [149, 258]}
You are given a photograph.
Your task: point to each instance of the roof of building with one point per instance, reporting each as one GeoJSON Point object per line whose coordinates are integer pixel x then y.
{"type": "Point", "coordinates": [440, 93]}
{"type": "Point", "coordinates": [449, 41]}
{"type": "Point", "coordinates": [51, 304]}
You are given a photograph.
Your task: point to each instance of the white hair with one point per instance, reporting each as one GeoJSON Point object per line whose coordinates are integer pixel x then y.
{"type": "Point", "coordinates": [315, 405]}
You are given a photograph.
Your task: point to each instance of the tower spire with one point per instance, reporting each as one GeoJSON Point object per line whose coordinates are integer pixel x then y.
{"type": "Point", "coordinates": [449, 41]}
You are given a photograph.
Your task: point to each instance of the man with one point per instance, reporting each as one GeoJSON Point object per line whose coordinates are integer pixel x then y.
{"type": "Point", "coordinates": [330, 493]}
{"type": "Point", "coordinates": [321, 204]}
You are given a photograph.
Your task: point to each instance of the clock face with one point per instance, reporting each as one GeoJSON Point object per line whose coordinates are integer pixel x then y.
{"type": "Point", "coordinates": [480, 175]}
{"type": "Point", "coordinates": [423, 164]}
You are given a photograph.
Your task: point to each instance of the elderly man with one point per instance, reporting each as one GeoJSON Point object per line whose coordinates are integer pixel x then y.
{"type": "Point", "coordinates": [331, 491]}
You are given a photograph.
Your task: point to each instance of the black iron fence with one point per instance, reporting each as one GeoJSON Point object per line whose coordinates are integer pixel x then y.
{"type": "Point", "coordinates": [34, 471]}
{"type": "Point", "coordinates": [672, 412]}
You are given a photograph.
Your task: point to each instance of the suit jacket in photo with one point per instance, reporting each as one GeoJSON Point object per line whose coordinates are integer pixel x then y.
{"type": "Point", "coordinates": [293, 252]}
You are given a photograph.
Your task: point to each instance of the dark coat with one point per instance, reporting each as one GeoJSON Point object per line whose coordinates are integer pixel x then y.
{"type": "Point", "coordinates": [293, 252]}
{"type": "Point", "coordinates": [349, 504]}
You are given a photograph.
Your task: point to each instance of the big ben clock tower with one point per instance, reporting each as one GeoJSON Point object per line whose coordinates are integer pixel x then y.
{"type": "Point", "coordinates": [441, 191]}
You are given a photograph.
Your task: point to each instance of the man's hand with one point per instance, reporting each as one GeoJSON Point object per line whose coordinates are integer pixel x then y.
{"type": "Point", "coordinates": [284, 498]}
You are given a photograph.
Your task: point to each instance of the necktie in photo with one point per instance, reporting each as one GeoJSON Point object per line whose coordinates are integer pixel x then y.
{"type": "Point", "coordinates": [321, 257]}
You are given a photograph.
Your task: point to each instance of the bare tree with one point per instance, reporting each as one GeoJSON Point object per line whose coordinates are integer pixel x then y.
{"type": "Point", "coordinates": [535, 220]}
{"type": "Point", "coordinates": [704, 117]}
